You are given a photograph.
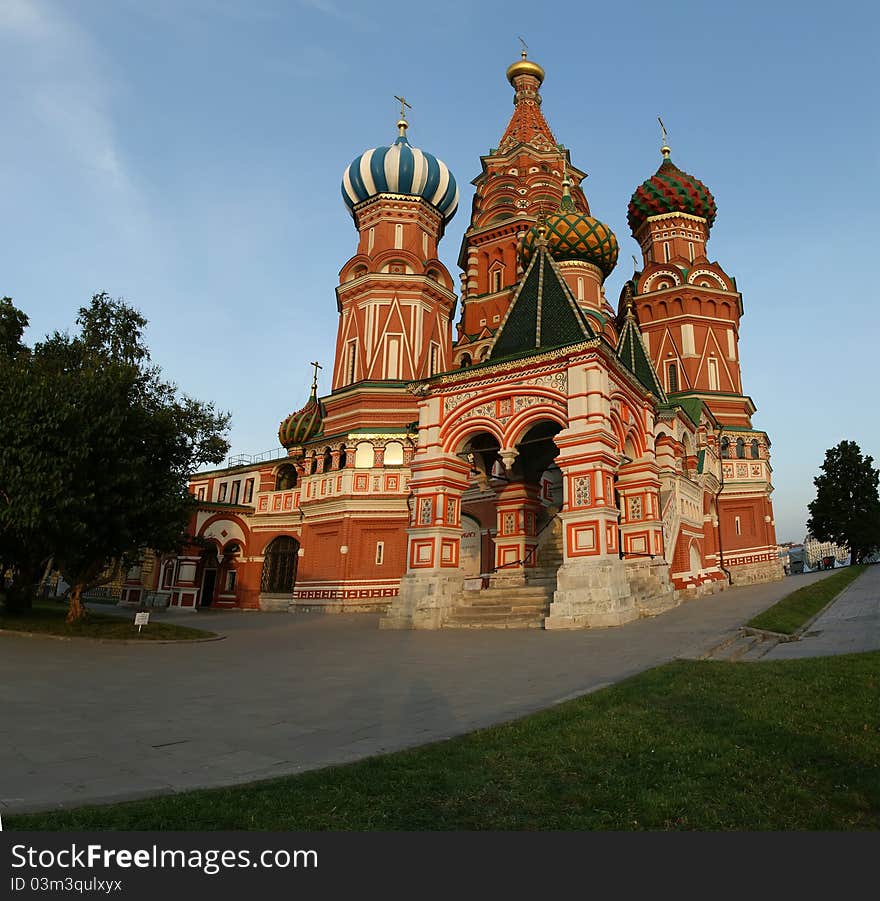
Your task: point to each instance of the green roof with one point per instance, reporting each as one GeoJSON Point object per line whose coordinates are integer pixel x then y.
{"type": "Point", "coordinates": [631, 351]}
{"type": "Point", "coordinates": [543, 313]}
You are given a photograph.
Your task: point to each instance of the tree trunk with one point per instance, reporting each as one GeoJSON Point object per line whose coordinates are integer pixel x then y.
{"type": "Point", "coordinates": [77, 612]}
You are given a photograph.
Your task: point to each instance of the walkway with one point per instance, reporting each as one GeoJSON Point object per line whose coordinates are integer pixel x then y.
{"type": "Point", "coordinates": [849, 626]}
{"type": "Point", "coordinates": [83, 721]}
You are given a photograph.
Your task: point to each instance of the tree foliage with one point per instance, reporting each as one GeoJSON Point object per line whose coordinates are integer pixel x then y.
{"type": "Point", "coordinates": [847, 506]}
{"type": "Point", "coordinates": [96, 450]}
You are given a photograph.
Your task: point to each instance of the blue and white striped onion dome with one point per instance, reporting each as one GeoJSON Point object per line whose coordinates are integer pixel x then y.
{"type": "Point", "coordinates": [400, 169]}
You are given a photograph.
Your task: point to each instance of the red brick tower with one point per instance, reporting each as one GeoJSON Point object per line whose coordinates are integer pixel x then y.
{"type": "Point", "coordinates": [689, 311]}
{"type": "Point", "coordinates": [521, 182]}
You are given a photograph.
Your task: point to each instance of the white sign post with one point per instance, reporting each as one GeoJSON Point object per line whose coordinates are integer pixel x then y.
{"type": "Point", "coordinates": [141, 620]}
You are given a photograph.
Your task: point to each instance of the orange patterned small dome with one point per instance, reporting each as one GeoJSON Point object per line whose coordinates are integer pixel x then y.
{"type": "Point", "coordinates": [575, 236]}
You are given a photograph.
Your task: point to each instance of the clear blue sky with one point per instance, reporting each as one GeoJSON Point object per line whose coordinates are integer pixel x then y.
{"type": "Point", "coordinates": [186, 155]}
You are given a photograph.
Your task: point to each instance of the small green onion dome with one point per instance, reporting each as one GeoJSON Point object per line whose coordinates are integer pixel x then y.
{"type": "Point", "coordinates": [670, 190]}
{"type": "Point", "coordinates": [572, 235]}
{"type": "Point", "coordinates": [304, 425]}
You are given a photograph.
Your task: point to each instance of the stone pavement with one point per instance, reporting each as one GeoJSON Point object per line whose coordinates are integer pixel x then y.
{"type": "Point", "coordinates": [87, 721]}
{"type": "Point", "coordinates": [849, 626]}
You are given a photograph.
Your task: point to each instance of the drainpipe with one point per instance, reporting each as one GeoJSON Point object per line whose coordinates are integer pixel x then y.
{"type": "Point", "coordinates": [718, 512]}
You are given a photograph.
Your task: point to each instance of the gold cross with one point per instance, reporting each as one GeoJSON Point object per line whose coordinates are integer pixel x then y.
{"type": "Point", "coordinates": [404, 106]}
{"type": "Point", "coordinates": [525, 47]}
{"type": "Point", "coordinates": [662, 129]}
{"type": "Point", "coordinates": [317, 366]}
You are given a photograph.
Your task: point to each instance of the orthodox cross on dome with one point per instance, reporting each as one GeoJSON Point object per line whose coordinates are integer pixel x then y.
{"type": "Point", "coordinates": [665, 150]}
{"type": "Point", "coordinates": [404, 106]}
{"type": "Point", "coordinates": [317, 366]}
{"type": "Point", "coordinates": [525, 47]}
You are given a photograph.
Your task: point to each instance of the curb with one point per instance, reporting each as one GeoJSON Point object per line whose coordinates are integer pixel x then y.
{"type": "Point", "coordinates": [798, 633]}
{"type": "Point", "coordinates": [141, 642]}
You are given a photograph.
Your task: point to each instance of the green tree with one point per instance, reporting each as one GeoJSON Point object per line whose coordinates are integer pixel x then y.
{"type": "Point", "coordinates": [96, 450]}
{"type": "Point", "coordinates": [847, 506]}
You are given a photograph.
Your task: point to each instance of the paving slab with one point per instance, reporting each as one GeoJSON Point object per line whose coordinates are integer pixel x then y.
{"type": "Point", "coordinates": [289, 692]}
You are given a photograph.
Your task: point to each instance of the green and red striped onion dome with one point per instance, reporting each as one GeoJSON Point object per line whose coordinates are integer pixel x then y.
{"type": "Point", "coordinates": [670, 190]}
{"type": "Point", "coordinates": [574, 236]}
{"type": "Point", "coordinates": [304, 425]}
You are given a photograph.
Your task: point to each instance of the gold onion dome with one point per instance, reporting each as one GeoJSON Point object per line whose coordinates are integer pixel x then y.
{"type": "Point", "coordinates": [572, 235]}
{"type": "Point", "coordinates": [524, 66]}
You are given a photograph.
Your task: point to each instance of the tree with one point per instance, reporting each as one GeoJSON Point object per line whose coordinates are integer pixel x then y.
{"type": "Point", "coordinates": [847, 506]}
{"type": "Point", "coordinates": [96, 450]}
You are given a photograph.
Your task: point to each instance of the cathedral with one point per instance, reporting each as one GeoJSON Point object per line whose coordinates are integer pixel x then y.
{"type": "Point", "coordinates": [523, 454]}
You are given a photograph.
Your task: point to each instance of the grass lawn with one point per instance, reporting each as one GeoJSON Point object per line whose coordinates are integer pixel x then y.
{"type": "Point", "coordinates": [689, 745]}
{"type": "Point", "coordinates": [47, 617]}
{"type": "Point", "coordinates": [789, 614]}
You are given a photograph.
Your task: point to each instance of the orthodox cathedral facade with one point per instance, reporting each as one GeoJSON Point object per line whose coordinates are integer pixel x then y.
{"type": "Point", "coordinates": [545, 460]}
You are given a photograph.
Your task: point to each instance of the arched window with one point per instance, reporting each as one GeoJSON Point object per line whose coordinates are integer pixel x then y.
{"type": "Point", "coordinates": [279, 566]}
{"type": "Point", "coordinates": [725, 448]}
{"type": "Point", "coordinates": [328, 459]}
{"type": "Point", "coordinates": [363, 456]}
{"type": "Point", "coordinates": [313, 464]}
{"type": "Point", "coordinates": [285, 477]}
{"type": "Point", "coordinates": [394, 454]}
{"type": "Point", "coordinates": [343, 457]}
{"type": "Point", "coordinates": [673, 378]}
{"type": "Point", "coordinates": [740, 449]}
{"type": "Point", "coordinates": [465, 361]}
{"type": "Point", "coordinates": [755, 453]}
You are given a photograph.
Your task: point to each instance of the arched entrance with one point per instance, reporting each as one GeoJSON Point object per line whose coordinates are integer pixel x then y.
{"type": "Point", "coordinates": [279, 566]}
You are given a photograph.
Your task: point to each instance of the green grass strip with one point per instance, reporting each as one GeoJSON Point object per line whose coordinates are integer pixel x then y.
{"type": "Point", "coordinates": [691, 745]}
{"type": "Point", "coordinates": [794, 610]}
{"type": "Point", "coordinates": [48, 618]}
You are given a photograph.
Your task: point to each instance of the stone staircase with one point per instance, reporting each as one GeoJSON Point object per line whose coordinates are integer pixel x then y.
{"type": "Point", "coordinates": [513, 607]}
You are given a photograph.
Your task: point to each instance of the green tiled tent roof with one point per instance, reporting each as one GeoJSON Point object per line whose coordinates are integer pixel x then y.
{"type": "Point", "coordinates": [631, 350]}
{"type": "Point", "coordinates": [543, 313]}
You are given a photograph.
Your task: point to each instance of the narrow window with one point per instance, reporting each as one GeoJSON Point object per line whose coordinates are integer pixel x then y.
{"type": "Point", "coordinates": [755, 454]}
{"type": "Point", "coordinates": [740, 449]}
{"type": "Point", "coordinates": [222, 496]}
{"type": "Point", "coordinates": [737, 526]}
{"type": "Point", "coordinates": [230, 581]}
{"type": "Point", "coordinates": [434, 360]}
{"type": "Point", "coordinates": [713, 374]}
{"type": "Point", "coordinates": [673, 378]}
{"type": "Point", "coordinates": [691, 250]}
{"type": "Point", "coordinates": [248, 491]}
{"type": "Point", "coordinates": [371, 239]}
{"type": "Point", "coordinates": [351, 362]}
{"type": "Point", "coordinates": [392, 366]}
{"type": "Point", "coordinates": [201, 493]}
{"type": "Point", "coordinates": [380, 553]}
{"type": "Point", "coordinates": [666, 251]}
{"type": "Point", "coordinates": [580, 284]}
{"type": "Point", "coordinates": [496, 280]}
{"type": "Point", "coordinates": [725, 448]}
{"type": "Point", "coordinates": [236, 491]}
{"type": "Point", "coordinates": [398, 236]}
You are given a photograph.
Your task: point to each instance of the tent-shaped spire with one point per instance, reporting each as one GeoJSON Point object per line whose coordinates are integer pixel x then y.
{"type": "Point", "coordinates": [631, 351]}
{"type": "Point", "coordinates": [543, 313]}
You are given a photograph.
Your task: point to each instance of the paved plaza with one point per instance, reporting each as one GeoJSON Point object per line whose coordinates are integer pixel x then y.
{"type": "Point", "coordinates": [88, 721]}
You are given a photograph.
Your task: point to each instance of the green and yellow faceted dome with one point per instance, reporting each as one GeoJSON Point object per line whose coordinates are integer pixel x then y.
{"type": "Point", "coordinates": [572, 235]}
{"type": "Point", "coordinates": [304, 425]}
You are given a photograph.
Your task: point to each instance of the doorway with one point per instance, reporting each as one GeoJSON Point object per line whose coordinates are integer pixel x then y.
{"type": "Point", "coordinates": [209, 583]}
